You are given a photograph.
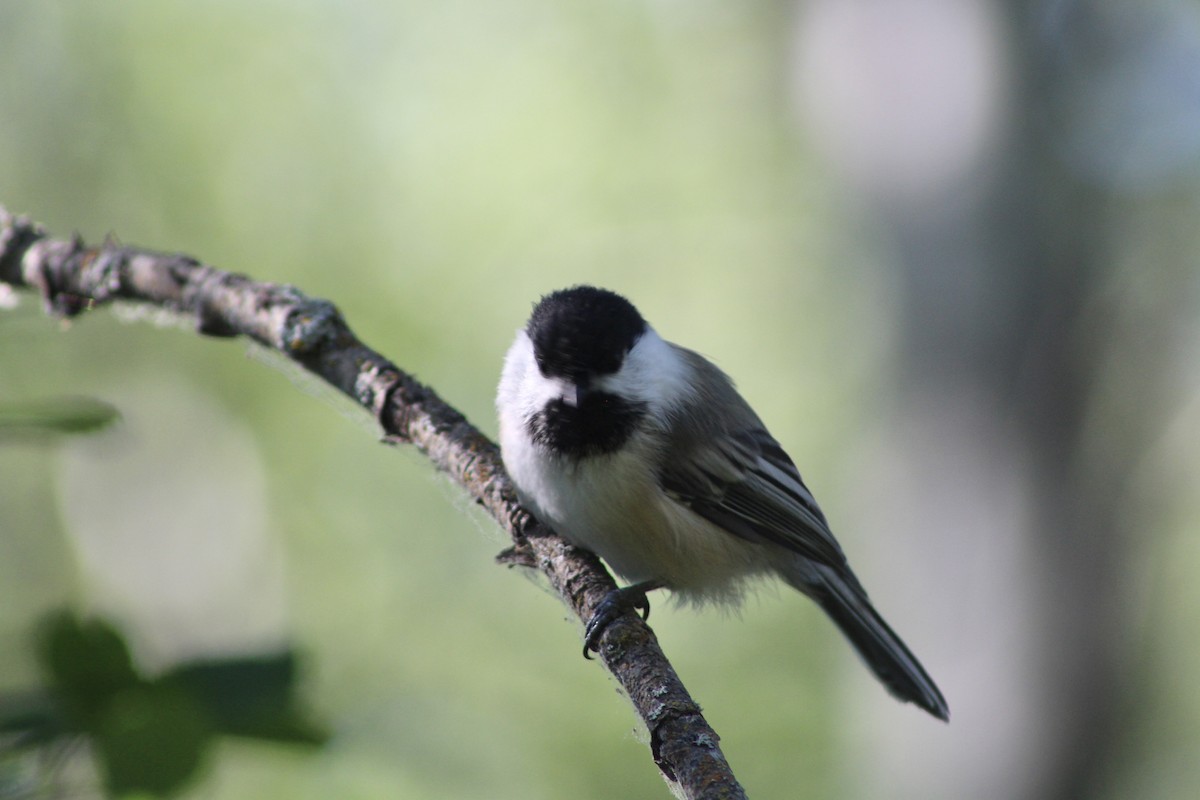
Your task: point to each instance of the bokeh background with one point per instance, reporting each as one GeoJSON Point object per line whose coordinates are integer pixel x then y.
{"type": "Point", "coordinates": [947, 248]}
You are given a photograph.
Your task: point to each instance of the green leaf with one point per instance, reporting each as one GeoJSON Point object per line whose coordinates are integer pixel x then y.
{"type": "Point", "coordinates": [151, 738]}
{"type": "Point", "coordinates": [252, 697]}
{"type": "Point", "coordinates": [29, 719]}
{"type": "Point", "coordinates": [87, 662]}
{"type": "Point", "coordinates": [56, 415]}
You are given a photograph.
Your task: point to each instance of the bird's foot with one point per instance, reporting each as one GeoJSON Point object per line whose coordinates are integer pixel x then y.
{"type": "Point", "coordinates": [614, 604]}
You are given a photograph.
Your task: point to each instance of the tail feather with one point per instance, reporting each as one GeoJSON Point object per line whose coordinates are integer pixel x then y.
{"type": "Point", "coordinates": [842, 597]}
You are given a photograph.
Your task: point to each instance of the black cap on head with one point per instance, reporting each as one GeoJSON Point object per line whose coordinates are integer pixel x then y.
{"type": "Point", "coordinates": [583, 331]}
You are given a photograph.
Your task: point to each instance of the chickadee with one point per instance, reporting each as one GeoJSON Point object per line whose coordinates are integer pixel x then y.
{"type": "Point", "coordinates": [644, 453]}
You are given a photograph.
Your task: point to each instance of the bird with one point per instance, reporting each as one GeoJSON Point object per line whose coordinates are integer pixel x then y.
{"type": "Point", "coordinates": [644, 452]}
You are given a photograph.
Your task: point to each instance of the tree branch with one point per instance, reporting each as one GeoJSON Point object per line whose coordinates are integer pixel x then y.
{"type": "Point", "coordinates": [73, 277]}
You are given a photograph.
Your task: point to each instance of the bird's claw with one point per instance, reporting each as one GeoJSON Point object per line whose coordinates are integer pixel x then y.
{"type": "Point", "coordinates": [614, 604]}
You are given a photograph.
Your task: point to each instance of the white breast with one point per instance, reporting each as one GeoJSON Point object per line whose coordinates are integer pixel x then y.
{"type": "Point", "coordinates": [609, 505]}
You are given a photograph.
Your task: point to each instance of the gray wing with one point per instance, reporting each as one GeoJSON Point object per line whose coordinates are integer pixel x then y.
{"type": "Point", "coordinates": [728, 469]}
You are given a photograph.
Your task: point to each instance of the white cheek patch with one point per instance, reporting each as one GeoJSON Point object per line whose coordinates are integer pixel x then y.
{"type": "Point", "coordinates": [652, 373]}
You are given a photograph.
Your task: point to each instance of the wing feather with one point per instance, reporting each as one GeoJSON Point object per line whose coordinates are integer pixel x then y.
{"type": "Point", "coordinates": [732, 472]}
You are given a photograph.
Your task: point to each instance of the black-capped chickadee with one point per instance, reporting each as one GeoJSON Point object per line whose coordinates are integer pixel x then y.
{"type": "Point", "coordinates": [644, 453]}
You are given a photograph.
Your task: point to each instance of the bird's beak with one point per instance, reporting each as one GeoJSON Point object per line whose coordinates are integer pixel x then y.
{"type": "Point", "coordinates": [575, 393]}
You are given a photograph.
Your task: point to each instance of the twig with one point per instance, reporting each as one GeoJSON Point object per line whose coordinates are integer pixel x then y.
{"type": "Point", "coordinates": [73, 277]}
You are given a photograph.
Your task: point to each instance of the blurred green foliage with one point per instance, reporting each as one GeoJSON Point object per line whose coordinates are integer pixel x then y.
{"type": "Point", "coordinates": [60, 415]}
{"type": "Point", "coordinates": [150, 735]}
